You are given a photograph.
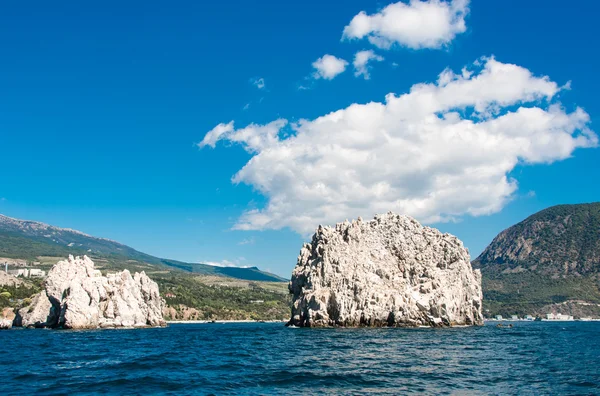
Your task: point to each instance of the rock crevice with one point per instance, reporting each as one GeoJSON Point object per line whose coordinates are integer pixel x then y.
{"type": "Point", "coordinates": [390, 271]}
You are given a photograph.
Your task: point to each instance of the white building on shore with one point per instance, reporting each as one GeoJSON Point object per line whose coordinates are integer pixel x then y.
{"type": "Point", "coordinates": [561, 317]}
{"type": "Point", "coordinates": [28, 273]}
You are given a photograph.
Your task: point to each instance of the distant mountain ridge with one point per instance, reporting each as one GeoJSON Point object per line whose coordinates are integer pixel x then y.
{"type": "Point", "coordinates": [34, 227]}
{"type": "Point", "coordinates": [544, 261]}
{"type": "Point", "coordinates": [29, 239]}
{"type": "Point", "coordinates": [558, 241]}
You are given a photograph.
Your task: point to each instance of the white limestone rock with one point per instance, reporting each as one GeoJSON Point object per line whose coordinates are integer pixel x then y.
{"type": "Point", "coordinates": [9, 280]}
{"type": "Point", "coordinates": [5, 324]}
{"type": "Point", "coordinates": [78, 297]}
{"type": "Point", "coordinates": [37, 314]}
{"type": "Point", "coordinates": [390, 271]}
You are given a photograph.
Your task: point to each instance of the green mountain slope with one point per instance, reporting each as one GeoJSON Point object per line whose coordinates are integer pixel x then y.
{"type": "Point", "coordinates": [544, 261]}
{"type": "Point", "coordinates": [30, 239]}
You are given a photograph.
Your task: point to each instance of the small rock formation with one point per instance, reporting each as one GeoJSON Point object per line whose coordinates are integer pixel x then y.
{"type": "Point", "coordinates": [9, 280]}
{"type": "Point", "coordinates": [8, 313]}
{"type": "Point", "coordinates": [390, 271]}
{"type": "Point", "coordinates": [78, 297]}
{"type": "Point", "coordinates": [38, 314]}
{"type": "Point", "coordinates": [182, 312]}
{"type": "Point", "coordinates": [5, 324]}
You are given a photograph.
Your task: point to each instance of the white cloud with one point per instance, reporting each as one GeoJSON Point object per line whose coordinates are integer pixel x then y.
{"type": "Point", "coordinates": [328, 67]}
{"type": "Point", "coordinates": [418, 24]}
{"type": "Point", "coordinates": [224, 263]}
{"type": "Point", "coordinates": [258, 82]}
{"type": "Point", "coordinates": [246, 106]}
{"type": "Point", "coordinates": [255, 137]}
{"type": "Point", "coordinates": [438, 152]}
{"type": "Point", "coordinates": [215, 134]}
{"type": "Point", "coordinates": [361, 63]}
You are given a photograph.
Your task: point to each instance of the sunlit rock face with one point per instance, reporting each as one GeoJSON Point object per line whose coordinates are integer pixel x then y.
{"type": "Point", "coordinates": [390, 271]}
{"type": "Point", "coordinates": [37, 314]}
{"type": "Point", "coordinates": [5, 324]}
{"type": "Point", "coordinates": [77, 296]}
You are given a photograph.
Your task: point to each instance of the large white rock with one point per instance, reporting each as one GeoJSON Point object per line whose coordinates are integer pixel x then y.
{"type": "Point", "coordinates": [390, 271]}
{"type": "Point", "coordinates": [78, 297]}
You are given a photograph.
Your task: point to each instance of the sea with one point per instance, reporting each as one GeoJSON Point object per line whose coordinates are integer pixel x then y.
{"type": "Point", "coordinates": [531, 358]}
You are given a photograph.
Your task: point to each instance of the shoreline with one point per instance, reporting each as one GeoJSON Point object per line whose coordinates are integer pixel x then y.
{"type": "Point", "coordinates": [223, 321]}
{"type": "Point", "coordinates": [543, 320]}
{"type": "Point", "coordinates": [169, 322]}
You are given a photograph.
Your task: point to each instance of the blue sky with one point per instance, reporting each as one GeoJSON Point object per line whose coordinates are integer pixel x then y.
{"type": "Point", "coordinates": [102, 108]}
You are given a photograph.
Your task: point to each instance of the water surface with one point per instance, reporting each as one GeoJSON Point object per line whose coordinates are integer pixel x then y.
{"type": "Point", "coordinates": [266, 358]}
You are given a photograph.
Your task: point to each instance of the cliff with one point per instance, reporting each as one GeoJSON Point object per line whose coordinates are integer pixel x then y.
{"type": "Point", "coordinates": [551, 257]}
{"type": "Point", "coordinates": [77, 296]}
{"type": "Point", "coordinates": [390, 271]}
{"type": "Point", "coordinates": [560, 240]}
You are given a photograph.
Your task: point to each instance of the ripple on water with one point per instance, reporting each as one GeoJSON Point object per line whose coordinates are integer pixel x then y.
{"type": "Point", "coordinates": [530, 358]}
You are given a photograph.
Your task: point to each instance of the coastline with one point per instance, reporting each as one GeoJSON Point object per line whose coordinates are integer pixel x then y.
{"type": "Point", "coordinates": [223, 321]}
{"type": "Point", "coordinates": [543, 320]}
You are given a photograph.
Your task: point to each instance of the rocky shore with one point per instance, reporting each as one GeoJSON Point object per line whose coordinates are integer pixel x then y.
{"type": "Point", "coordinates": [390, 271]}
{"type": "Point", "coordinates": [77, 296]}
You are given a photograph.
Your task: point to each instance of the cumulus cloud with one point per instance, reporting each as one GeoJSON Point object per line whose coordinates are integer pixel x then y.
{"type": "Point", "coordinates": [418, 24]}
{"type": "Point", "coordinates": [361, 63]}
{"type": "Point", "coordinates": [328, 67]}
{"type": "Point", "coordinates": [441, 151]}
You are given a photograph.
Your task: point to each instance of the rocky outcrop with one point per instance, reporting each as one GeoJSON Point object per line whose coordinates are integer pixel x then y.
{"type": "Point", "coordinates": [5, 324]}
{"type": "Point", "coordinates": [9, 280]}
{"type": "Point", "coordinates": [78, 297]}
{"type": "Point", "coordinates": [6, 318]}
{"type": "Point", "coordinates": [182, 312]}
{"type": "Point", "coordinates": [390, 271]}
{"type": "Point", "coordinates": [8, 313]}
{"type": "Point", "coordinates": [38, 314]}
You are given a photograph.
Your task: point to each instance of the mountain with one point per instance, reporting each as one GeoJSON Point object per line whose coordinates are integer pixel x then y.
{"type": "Point", "coordinates": [549, 260]}
{"type": "Point", "coordinates": [29, 240]}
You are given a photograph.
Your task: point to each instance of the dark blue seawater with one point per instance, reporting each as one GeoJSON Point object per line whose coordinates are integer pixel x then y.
{"type": "Point", "coordinates": [530, 358]}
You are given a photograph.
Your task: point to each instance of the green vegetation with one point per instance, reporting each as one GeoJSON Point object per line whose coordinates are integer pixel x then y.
{"type": "Point", "coordinates": [18, 296]}
{"type": "Point", "coordinates": [549, 258]}
{"type": "Point", "coordinates": [191, 298]}
{"type": "Point", "coordinates": [29, 241]}
{"type": "Point", "coordinates": [192, 291]}
{"type": "Point", "coordinates": [528, 292]}
{"type": "Point", "coordinates": [16, 246]}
